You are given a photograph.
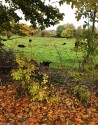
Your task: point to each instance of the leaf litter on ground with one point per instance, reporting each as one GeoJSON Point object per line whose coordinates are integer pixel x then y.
{"type": "Point", "coordinates": [69, 111]}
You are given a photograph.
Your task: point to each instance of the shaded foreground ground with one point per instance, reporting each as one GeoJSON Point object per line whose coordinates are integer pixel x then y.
{"type": "Point", "coordinates": [69, 111]}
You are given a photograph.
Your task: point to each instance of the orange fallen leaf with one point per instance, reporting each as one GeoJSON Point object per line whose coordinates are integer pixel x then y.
{"type": "Point", "coordinates": [85, 116]}
{"type": "Point", "coordinates": [78, 120]}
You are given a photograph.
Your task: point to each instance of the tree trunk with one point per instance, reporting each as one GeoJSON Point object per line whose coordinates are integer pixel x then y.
{"type": "Point", "coordinates": [94, 16]}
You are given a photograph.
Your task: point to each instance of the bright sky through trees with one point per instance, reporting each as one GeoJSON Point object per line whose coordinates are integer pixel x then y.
{"type": "Point", "coordinates": [68, 18]}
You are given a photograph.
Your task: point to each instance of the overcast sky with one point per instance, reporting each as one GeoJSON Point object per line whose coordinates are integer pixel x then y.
{"type": "Point", "coordinates": [69, 16]}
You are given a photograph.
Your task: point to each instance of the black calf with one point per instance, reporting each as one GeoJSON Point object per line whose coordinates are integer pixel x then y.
{"type": "Point", "coordinates": [4, 39]}
{"type": "Point", "coordinates": [21, 46]}
{"type": "Point", "coordinates": [64, 44]}
{"type": "Point", "coordinates": [45, 63]}
{"type": "Point", "coordinates": [30, 40]}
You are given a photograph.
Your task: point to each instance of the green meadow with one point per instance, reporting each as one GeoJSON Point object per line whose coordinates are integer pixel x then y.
{"type": "Point", "coordinates": [47, 49]}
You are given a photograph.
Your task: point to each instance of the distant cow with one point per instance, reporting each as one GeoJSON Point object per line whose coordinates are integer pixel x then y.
{"type": "Point", "coordinates": [30, 40]}
{"type": "Point", "coordinates": [45, 63]}
{"type": "Point", "coordinates": [64, 44]}
{"type": "Point", "coordinates": [21, 46]}
{"type": "Point", "coordinates": [4, 39]}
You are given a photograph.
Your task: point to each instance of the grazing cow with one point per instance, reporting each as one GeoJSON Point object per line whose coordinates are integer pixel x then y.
{"type": "Point", "coordinates": [64, 44]}
{"type": "Point", "coordinates": [21, 46]}
{"type": "Point", "coordinates": [30, 40]}
{"type": "Point", "coordinates": [4, 39]}
{"type": "Point", "coordinates": [45, 63]}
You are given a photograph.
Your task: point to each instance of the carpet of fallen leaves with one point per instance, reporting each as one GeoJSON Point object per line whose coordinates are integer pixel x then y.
{"type": "Point", "coordinates": [69, 111]}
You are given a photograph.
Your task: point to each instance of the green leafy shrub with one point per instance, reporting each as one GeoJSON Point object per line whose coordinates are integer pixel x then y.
{"type": "Point", "coordinates": [83, 94]}
{"type": "Point", "coordinates": [74, 75]}
{"type": "Point", "coordinates": [87, 76]}
{"type": "Point", "coordinates": [31, 79]}
{"type": "Point", "coordinates": [68, 33]}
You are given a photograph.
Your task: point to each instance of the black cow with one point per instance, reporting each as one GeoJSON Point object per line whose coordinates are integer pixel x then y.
{"type": "Point", "coordinates": [30, 40]}
{"type": "Point", "coordinates": [64, 44]}
{"type": "Point", "coordinates": [45, 63]}
{"type": "Point", "coordinates": [4, 39]}
{"type": "Point", "coordinates": [21, 46]}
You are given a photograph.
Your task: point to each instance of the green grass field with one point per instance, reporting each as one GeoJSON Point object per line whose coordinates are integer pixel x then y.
{"type": "Point", "coordinates": [47, 49]}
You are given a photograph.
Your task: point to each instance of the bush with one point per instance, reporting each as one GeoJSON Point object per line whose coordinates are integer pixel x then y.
{"type": "Point", "coordinates": [83, 94]}
{"type": "Point", "coordinates": [68, 33]}
{"type": "Point", "coordinates": [31, 79]}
